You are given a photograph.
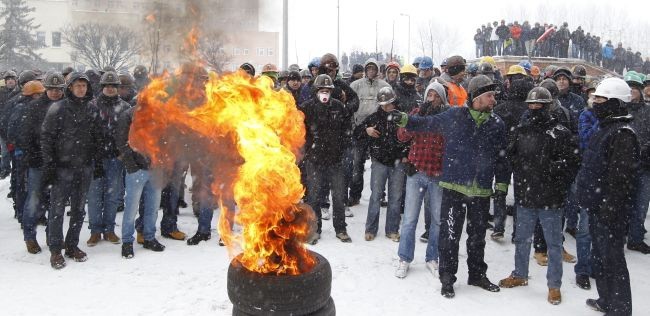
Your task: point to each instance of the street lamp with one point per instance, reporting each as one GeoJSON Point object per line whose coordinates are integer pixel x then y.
{"type": "Point", "coordinates": [408, 58]}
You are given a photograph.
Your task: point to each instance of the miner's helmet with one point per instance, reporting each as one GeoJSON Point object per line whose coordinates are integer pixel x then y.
{"type": "Point", "coordinates": [110, 78]}
{"type": "Point", "coordinates": [9, 74]}
{"type": "Point", "coordinates": [26, 76]}
{"type": "Point", "coordinates": [539, 95]}
{"type": "Point", "coordinates": [386, 95]}
{"type": "Point", "coordinates": [140, 71]}
{"type": "Point", "coordinates": [55, 80]}
{"type": "Point", "coordinates": [323, 81]}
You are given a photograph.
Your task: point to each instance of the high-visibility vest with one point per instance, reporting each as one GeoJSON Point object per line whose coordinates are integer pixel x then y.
{"type": "Point", "coordinates": [457, 94]}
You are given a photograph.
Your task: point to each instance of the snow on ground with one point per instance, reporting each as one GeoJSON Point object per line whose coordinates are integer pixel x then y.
{"type": "Point", "coordinates": [191, 280]}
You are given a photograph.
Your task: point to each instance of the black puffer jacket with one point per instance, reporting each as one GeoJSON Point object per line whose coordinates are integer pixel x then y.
{"type": "Point", "coordinates": [8, 111]}
{"type": "Point", "coordinates": [70, 136]}
{"type": "Point", "coordinates": [510, 111]}
{"type": "Point", "coordinates": [545, 160]}
{"type": "Point", "coordinates": [407, 97]}
{"type": "Point", "coordinates": [107, 110]}
{"type": "Point", "coordinates": [133, 161]}
{"type": "Point", "coordinates": [328, 128]}
{"type": "Point", "coordinates": [641, 125]}
{"type": "Point", "coordinates": [386, 149]}
{"type": "Point", "coordinates": [29, 132]}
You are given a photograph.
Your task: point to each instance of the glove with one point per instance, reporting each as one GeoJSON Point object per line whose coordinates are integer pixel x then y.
{"type": "Point", "coordinates": [98, 172]}
{"type": "Point", "coordinates": [48, 177]}
{"type": "Point", "coordinates": [399, 118]}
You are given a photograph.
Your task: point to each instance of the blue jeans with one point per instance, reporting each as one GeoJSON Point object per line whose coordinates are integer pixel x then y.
{"type": "Point", "coordinates": [396, 177]}
{"type": "Point", "coordinates": [638, 215]}
{"type": "Point", "coordinates": [73, 184]}
{"type": "Point", "coordinates": [202, 182]}
{"type": "Point", "coordinates": [359, 157]}
{"type": "Point", "coordinates": [583, 245]}
{"type": "Point", "coordinates": [551, 221]}
{"type": "Point", "coordinates": [500, 47]}
{"type": "Point", "coordinates": [19, 179]}
{"type": "Point", "coordinates": [315, 175]}
{"type": "Point", "coordinates": [104, 197]}
{"type": "Point", "coordinates": [147, 184]}
{"type": "Point", "coordinates": [418, 186]}
{"type": "Point", "coordinates": [35, 204]}
{"type": "Point", "coordinates": [171, 194]}
{"type": "Point", "coordinates": [571, 208]}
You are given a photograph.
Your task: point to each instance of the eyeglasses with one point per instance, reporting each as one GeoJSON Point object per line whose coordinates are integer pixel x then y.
{"type": "Point", "coordinates": [332, 66]}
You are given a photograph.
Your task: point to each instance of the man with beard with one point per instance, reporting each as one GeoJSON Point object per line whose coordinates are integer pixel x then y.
{"type": "Point", "coordinates": [544, 160]}
{"type": "Point", "coordinates": [29, 141]}
{"type": "Point", "coordinates": [107, 188]}
{"type": "Point", "coordinates": [70, 139]}
{"type": "Point", "coordinates": [454, 76]}
{"type": "Point", "coordinates": [606, 187]}
{"type": "Point", "coordinates": [407, 96]}
{"type": "Point", "coordinates": [578, 86]}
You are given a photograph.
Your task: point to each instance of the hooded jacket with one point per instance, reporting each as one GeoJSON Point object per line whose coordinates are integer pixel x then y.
{"type": "Point", "coordinates": [133, 161]}
{"type": "Point", "coordinates": [70, 136]}
{"type": "Point", "coordinates": [29, 132]}
{"type": "Point", "coordinates": [511, 111]}
{"type": "Point", "coordinates": [106, 110]}
{"type": "Point", "coordinates": [327, 130]}
{"type": "Point", "coordinates": [366, 90]}
{"type": "Point", "coordinates": [407, 97]}
{"type": "Point", "coordinates": [386, 149]}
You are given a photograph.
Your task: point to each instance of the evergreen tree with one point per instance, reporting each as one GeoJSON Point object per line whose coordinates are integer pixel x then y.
{"type": "Point", "coordinates": [18, 45]}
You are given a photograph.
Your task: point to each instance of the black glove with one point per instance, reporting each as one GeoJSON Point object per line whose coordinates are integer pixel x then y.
{"type": "Point", "coordinates": [48, 176]}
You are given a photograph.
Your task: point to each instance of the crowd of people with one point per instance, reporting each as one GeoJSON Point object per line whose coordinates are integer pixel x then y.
{"type": "Point", "coordinates": [447, 140]}
{"type": "Point", "coordinates": [547, 40]}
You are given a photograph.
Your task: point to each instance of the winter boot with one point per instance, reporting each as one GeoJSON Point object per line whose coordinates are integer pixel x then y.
{"type": "Point", "coordinates": [593, 304]}
{"type": "Point", "coordinates": [344, 237]}
{"type": "Point", "coordinates": [369, 236]}
{"type": "Point", "coordinates": [110, 236]}
{"type": "Point", "coordinates": [567, 257]}
{"type": "Point", "coordinates": [554, 296]}
{"type": "Point", "coordinates": [325, 214]}
{"type": "Point", "coordinates": [56, 260]}
{"type": "Point", "coordinates": [353, 202]}
{"type": "Point", "coordinates": [197, 238]}
{"type": "Point", "coordinates": [496, 236]}
{"type": "Point", "coordinates": [76, 254]}
{"type": "Point", "coordinates": [94, 239]}
{"type": "Point", "coordinates": [221, 243]}
{"type": "Point", "coordinates": [33, 247]}
{"type": "Point", "coordinates": [513, 281]}
{"type": "Point", "coordinates": [139, 238]}
{"type": "Point", "coordinates": [641, 247]}
{"type": "Point", "coordinates": [541, 258]}
{"type": "Point", "coordinates": [348, 212]}
{"type": "Point", "coordinates": [447, 291]}
{"type": "Point", "coordinates": [485, 284]}
{"type": "Point", "coordinates": [176, 235]}
{"type": "Point", "coordinates": [583, 281]}
{"type": "Point", "coordinates": [153, 245]}
{"type": "Point", "coordinates": [127, 250]}
{"type": "Point", "coordinates": [393, 236]}
{"type": "Point", "coordinates": [425, 237]}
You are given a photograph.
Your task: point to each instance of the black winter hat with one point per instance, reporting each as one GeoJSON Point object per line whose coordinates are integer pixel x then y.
{"type": "Point", "coordinates": [357, 69]}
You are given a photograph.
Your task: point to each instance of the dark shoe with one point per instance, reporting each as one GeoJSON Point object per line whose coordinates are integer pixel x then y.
{"type": "Point", "coordinates": [42, 221]}
{"type": "Point", "coordinates": [120, 208]}
{"type": "Point", "coordinates": [593, 304]}
{"type": "Point", "coordinates": [94, 239]}
{"type": "Point", "coordinates": [497, 236]}
{"type": "Point", "coordinates": [640, 247]}
{"type": "Point", "coordinates": [353, 202]}
{"type": "Point", "coordinates": [110, 236]}
{"type": "Point", "coordinates": [197, 238]}
{"type": "Point", "coordinates": [571, 231]}
{"type": "Point", "coordinates": [344, 237]}
{"type": "Point", "coordinates": [583, 282]}
{"type": "Point", "coordinates": [56, 260]}
{"type": "Point", "coordinates": [383, 203]}
{"type": "Point", "coordinates": [485, 284]}
{"type": "Point", "coordinates": [425, 237]}
{"type": "Point", "coordinates": [176, 235]}
{"type": "Point", "coordinates": [33, 247]}
{"type": "Point", "coordinates": [127, 250]}
{"type": "Point", "coordinates": [221, 243]}
{"type": "Point", "coordinates": [447, 291]}
{"type": "Point", "coordinates": [76, 254]}
{"type": "Point", "coordinates": [182, 204]}
{"type": "Point", "coordinates": [153, 245]}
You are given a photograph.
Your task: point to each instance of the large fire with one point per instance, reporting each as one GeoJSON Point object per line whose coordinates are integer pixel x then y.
{"type": "Point", "coordinates": [253, 134]}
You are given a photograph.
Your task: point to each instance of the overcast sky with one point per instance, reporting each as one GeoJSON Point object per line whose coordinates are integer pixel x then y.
{"type": "Point", "coordinates": [312, 23]}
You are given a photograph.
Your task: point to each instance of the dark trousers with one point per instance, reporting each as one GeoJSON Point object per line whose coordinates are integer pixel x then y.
{"type": "Point", "coordinates": [19, 183]}
{"type": "Point", "coordinates": [360, 155]}
{"type": "Point", "coordinates": [170, 197]}
{"type": "Point", "coordinates": [452, 217]}
{"type": "Point", "coordinates": [609, 266]}
{"type": "Point", "coordinates": [72, 184]}
{"type": "Point", "coordinates": [315, 175]}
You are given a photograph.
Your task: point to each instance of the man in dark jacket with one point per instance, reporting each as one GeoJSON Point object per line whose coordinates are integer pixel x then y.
{"type": "Point", "coordinates": [327, 122]}
{"type": "Point", "coordinates": [569, 100]}
{"type": "Point", "coordinates": [127, 89]}
{"type": "Point", "coordinates": [29, 141]}
{"type": "Point", "coordinates": [407, 96]}
{"type": "Point", "coordinates": [544, 160]}
{"type": "Point", "coordinates": [69, 143]}
{"type": "Point", "coordinates": [141, 75]}
{"type": "Point", "coordinates": [619, 58]}
{"type": "Point", "coordinates": [387, 155]}
{"type": "Point", "coordinates": [142, 182]}
{"type": "Point", "coordinates": [504, 33]}
{"type": "Point", "coordinates": [294, 86]}
{"type": "Point", "coordinates": [106, 192]}
{"type": "Point", "coordinates": [7, 92]}
{"type": "Point", "coordinates": [510, 112]}
{"type": "Point", "coordinates": [475, 141]}
{"type": "Point", "coordinates": [606, 187]}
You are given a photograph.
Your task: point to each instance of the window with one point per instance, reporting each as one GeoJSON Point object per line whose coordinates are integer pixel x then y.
{"type": "Point", "coordinates": [56, 39]}
{"type": "Point", "coordinates": [261, 52]}
{"type": "Point", "coordinates": [40, 38]}
{"type": "Point", "coordinates": [245, 51]}
{"type": "Point", "coordinates": [236, 51]}
{"type": "Point", "coordinates": [270, 51]}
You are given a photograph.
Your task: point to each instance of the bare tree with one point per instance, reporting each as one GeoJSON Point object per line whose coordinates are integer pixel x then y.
{"type": "Point", "coordinates": [101, 45]}
{"type": "Point", "coordinates": [211, 50]}
{"type": "Point", "coordinates": [438, 39]}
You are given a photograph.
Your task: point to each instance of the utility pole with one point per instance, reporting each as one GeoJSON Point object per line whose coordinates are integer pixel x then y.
{"type": "Point", "coordinates": [285, 34]}
{"type": "Point", "coordinates": [408, 55]}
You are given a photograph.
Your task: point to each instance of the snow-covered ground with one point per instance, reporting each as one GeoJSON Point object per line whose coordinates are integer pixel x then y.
{"type": "Point", "coordinates": [191, 280]}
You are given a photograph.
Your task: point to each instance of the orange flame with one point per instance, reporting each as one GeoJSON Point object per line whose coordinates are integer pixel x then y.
{"type": "Point", "coordinates": [255, 132]}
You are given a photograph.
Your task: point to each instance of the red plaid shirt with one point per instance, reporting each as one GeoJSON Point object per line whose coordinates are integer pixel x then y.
{"type": "Point", "coordinates": [426, 149]}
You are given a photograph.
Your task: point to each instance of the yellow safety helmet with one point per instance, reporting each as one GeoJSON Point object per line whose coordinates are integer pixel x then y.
{"type": "Point", "coordinates": [408, 69]}
{"type": "Point", "coordinates": [489, 60]}
{"type": "Point", "coordinates": [516, 70]}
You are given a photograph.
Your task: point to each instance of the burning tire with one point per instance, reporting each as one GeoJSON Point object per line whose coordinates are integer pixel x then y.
{"type": "Point", "coordinates": [305, 294]}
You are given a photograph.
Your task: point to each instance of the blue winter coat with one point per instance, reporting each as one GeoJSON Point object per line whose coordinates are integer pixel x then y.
{"type": "Point", "coordinates": [471, 153]}
{"type": "Point", "coordinates": [587, 126]}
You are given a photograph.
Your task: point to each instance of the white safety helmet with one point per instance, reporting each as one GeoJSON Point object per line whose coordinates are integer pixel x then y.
{"type": "Point", "coordinates": [614, 88]}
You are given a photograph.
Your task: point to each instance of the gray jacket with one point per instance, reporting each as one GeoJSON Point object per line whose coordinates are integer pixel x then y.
{"type": "Point", "coordinates": [367, 90]}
